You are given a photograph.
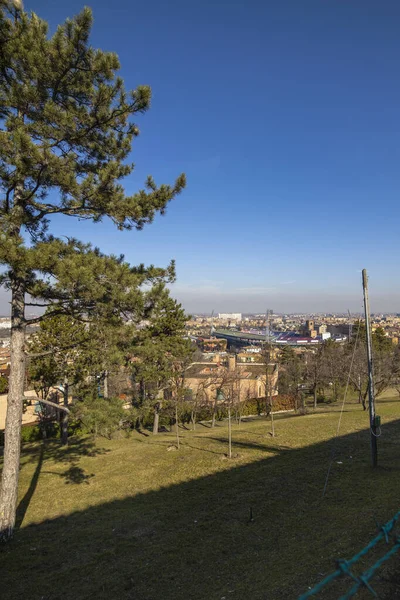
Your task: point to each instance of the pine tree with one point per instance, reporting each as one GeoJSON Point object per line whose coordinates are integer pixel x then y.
{"type": "Point", "coordinates": [56, 355]}
{"type": "Point", "coordinates": [65, 135]}
{"type": "Point", "coordinates": [65, 353]}
{"type": "Point", "coordinates": [161, 355]}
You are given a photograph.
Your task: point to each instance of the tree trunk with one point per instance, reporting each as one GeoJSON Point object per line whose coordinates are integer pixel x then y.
{"type": "Point", "coordinates": [272, 420]}
{"type": "Point", "coordinates": [336, 391]}
{"type": "Point", "coordinates": [43, 429]}
{"type": "Point", "coordinates": [177, 425]}
{"type": "Point", "coordinates": [12, 447]}
{"type": "Point", "coordinates": [64, 422]}
{"type": "Point", "coordinates": [214, 414]}
{"type": "Point", "coordinates": [315, 397]}
{"type": "Point", "coordinates": [156, 418]}
{"type": "Point", "coordinates": [229, 432]}
{"type": "Point", "coordinates": [364, 398]}
{"type": "Point", "coordinates": [105, 386]}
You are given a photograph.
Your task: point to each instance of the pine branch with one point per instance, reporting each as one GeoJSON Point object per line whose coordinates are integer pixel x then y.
{"type": "Point", "coordinates": [52, 404]}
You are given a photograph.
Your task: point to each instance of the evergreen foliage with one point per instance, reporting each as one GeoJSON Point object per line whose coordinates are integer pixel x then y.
{"type": "Point", "coordinates": [100, 416]}
{"type": "Point", "coordinates": [161, 356]}
{"type": "Point", "coordinates": [66, 131]}
{"type": "Point", "coordinates": [3, 385]}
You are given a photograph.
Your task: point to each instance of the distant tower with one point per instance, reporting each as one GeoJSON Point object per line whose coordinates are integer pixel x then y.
{"type": "Point", "coordinates": [212, 324]}
{"type": "Point", "coordinates": [267, 325]}
{"type": "Point", "coordinates": [350, 326]}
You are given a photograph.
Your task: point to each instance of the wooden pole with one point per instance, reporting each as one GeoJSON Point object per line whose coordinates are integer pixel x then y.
{"type": "Point", "coordinates": [371, 389]}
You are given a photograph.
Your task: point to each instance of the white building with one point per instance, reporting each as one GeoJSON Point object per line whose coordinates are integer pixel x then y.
{"type": "Point", "coordinates": [230, 316]}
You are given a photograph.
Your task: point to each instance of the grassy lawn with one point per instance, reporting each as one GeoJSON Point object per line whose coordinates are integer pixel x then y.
{"type": "Point", "coordinates": [130, 519]}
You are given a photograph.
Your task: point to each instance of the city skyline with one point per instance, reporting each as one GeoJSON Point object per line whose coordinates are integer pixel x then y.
{"type": "Point", "coordinates": [193, 302]}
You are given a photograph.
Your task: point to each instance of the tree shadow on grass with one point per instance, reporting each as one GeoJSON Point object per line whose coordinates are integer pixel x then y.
{"type": "Point", "coordinates": [259, 530]}
{"type": "Point", "coordinates": [24, 503]}
{"type": "Point", "coordinates": [205, 424]}
{"type": "Point", "coordinates": [74, 475]}
{"type": "Point", "coordinates": [248, 445]}
{"type": "Point", "coordinates": [52, 449]}
{"type": "Point", "coordinates": [142, 432]}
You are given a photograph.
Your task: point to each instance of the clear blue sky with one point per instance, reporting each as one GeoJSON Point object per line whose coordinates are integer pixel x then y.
{"type": "Point", "coordinates": [285, 117]}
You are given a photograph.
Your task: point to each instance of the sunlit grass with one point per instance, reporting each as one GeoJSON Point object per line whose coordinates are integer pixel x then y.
{"type": "Point", "coordinates": [135, 518]}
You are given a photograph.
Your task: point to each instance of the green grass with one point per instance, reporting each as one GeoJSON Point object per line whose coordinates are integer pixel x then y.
{"type": "Point", "coordinates": [129, 519]}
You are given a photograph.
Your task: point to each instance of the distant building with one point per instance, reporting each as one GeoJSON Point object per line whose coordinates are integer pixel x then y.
{"type": "Point", "coordinates": [339, 329]}
{"type": "Point", "coordinates": [230, 316]}
{"type": "Point", "coordinates": [308, 330]}
{"type": "Point", "coordinates": [245, 380]}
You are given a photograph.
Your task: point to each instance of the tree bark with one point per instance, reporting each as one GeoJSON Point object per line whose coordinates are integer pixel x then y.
{"type": "Point", "coordinates": [364, 398]}
{"type": "Point", "coordinates": [64, 423]}
{"type": "Point", "coordinates": [193, 419]}
{"type": "Point", "coordinates": [214, 414]}
{"type": "Point", "coordinates": [315, 397]}
{"type": "Point", "coordinates": [177, 425]}
{"type": "Point", "coordinates": [105, 386]}
{"type": "Point", "coordinates": [12, 447]}
{"type": "Point", "coordinates": [302, 404]}
{"type": "Point", "coordinates": [272, 420]}
{"type": "Point", "coordinates": [156, 418]}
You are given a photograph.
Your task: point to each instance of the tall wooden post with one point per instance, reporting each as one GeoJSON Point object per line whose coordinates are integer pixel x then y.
{"type": "Point", "coordinates": [371, 389]}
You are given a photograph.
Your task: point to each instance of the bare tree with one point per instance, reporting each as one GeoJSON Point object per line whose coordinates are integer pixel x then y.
{"type": "Point", "coordinates": [291, 375]}
{"type": "Point", "coordinates": [199, 399]}
{"type": "Point", "coordinates": [386, 368]}
{"type": "Point", "coordinates": [315, 373]}
{"type": "Point", "coordinates": [218, 383]}
{"type": "Point", "coordinates": [270, 383]}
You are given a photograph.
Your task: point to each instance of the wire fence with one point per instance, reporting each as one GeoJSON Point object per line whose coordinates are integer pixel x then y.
{"type": "Point", "coordinates": [386, 533]}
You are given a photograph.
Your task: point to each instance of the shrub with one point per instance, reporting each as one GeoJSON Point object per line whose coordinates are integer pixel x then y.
{"type": "Point", "coordinates": [283, 402]}
{"type": "Point", "coordinates": [36, 432]}
{"type": "Point", "coordinates": [100, 416]}
{"type": "Point", "coordinates": [221, 413]}
{"type": "Point", "coordinates": [185, 413]}
{"type": "Point", "coordinates": [204, 412]}
{"type": "Point", "coordinates": [253, 406]}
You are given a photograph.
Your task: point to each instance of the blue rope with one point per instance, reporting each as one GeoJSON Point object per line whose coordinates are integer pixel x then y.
{"type": "Point", "coordinates": [343, 566]}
